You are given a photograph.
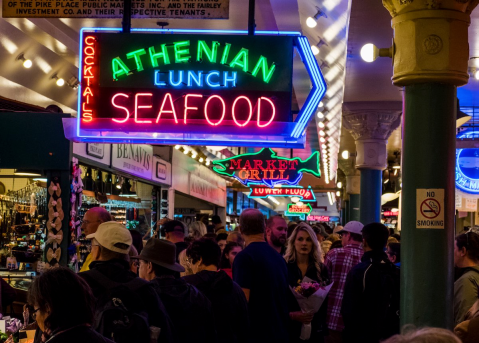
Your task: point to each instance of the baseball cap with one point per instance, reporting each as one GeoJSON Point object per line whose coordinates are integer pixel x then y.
{"type": "Point", "coordinates": [174, 225]}
{"type": "Point", "coordinates": [109, 234]}
{"type": "Point", "coordinates": [353, 227]}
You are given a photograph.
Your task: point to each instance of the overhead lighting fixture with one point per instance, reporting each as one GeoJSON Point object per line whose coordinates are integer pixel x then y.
{"type": "Point", "coordinates": [339, 184]}
{"type": "Point", "coordinates": [345, 154]}
{"type": "Point", "coordinates": [300, 203]}
{"type": "Point", "coordinates": [186, 151]}
{"type": "Point", "coordinates": [207, 162]}
{"type": "Point", "coordinates": [59, 81]}
{"type": "Point", "coordinates": [26, 62]}
{"type": "Point", "coordinates": [369, 52]}
{"type": "Point", "coordinates": [73, 82]}
{"type": "Point", "coordinates": [295, 199]}
{"type": "Point", "coordinates": [42, 179]}
{"type": "Point", "coordinates": [201, 159]}
{"type": "Point", "coordinates": [312, 21]}
{"type": "Point", "coordinates": [273, 200]}
{"type": "Point", "coordinates": [315, 48]}
{"type": "Point", "coordinates": [320, 115]}
{"type": "Point", "coordinates": [338, 193]}
{"type": "Point", "coordinates": [321, 124]}
{"type": "Point", "coordinates": [177, 147]}
{"type": "Point", "coordinates": [26, 172]}
{"type": "Point", "coordinates": [395, 172]}
{"type": "Point", "coordinates": [386, 181]}
{"type": "Point", "coordinates": [322, 139]}
{"type": "Point", "coordinates": [476, 75]}
{"type": "Point", "coordinates": [322, 133]}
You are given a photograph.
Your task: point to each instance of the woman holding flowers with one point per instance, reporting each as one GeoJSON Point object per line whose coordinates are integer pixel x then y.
{"type": "Point", "coordinates": [305, 259]}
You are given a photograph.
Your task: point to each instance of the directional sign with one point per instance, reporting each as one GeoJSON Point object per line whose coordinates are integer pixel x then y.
{"type": "Point", "coordinates": [295, 209]}
{"type": "Point", "coordinates": [305, 194]}
{"type": "Point", "coordinates": [430, 208]}
{"type": "Point", "coordinates": [194, 87]}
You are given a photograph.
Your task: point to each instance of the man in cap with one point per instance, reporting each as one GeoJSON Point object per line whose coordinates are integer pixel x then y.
{"type": "Point", "coordinates": [339, 262]}
{"type": "Point", "coordinates": [110, 274]}
{"type": "Point", "coordinates": [189, 310]}
{"type": "Point", "coordinates": [175, 233]}
{"type": "Point", "coordinates": [370, 306]}
{"type": "Point", "coordinates": [91, 220]}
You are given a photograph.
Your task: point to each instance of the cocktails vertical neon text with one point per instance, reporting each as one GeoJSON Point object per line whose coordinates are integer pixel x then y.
{"type": "Point", "coordinates": [89, 61]}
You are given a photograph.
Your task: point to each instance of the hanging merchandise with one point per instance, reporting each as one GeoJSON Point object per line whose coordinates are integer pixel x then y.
{"type": "Point", "coordinates": [54, 224]}
{"type": "Point", "coordinates": [76, 199]}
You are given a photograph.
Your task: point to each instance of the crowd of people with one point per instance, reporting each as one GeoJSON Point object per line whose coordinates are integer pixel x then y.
{"type": "Point", "coordinates": [203, 284]}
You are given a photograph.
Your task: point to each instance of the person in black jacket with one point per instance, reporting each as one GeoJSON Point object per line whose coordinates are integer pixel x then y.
{"type": "Point", "coordinates": [189, 310]}
{"type": "Point", "coordinates": [228, 301]}
{"type": "Point", "coordinates": [62, 304]}
{"type": "Point", "coordinates": [304, 258]}
{"type": "Point", "coordinates": [370, 305]}
{"type": "Point", "coordinates": [110, 246]}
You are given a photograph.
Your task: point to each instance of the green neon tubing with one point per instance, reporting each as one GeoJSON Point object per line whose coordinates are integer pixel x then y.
{"type": "Point", "coordinates": [211, 54]}
{"type": "Point", "coordinates": [226, 52]}
{"type": "Point", "coordinates": [136, 55]}
{"type": "Point", "coordinates": [180, 52]}
{"type": "Point", "coordinates": [263, 65]}
{"type": "Point", "coordinates": [241, 60]}
{"type": "Point", "coordinates": [154, 56]}
{"type": "Point", "coordinates": [119, 68]}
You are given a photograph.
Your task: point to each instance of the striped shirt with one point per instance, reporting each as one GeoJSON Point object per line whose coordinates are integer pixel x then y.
{"type": "Point", "coordinates": [339, 262]}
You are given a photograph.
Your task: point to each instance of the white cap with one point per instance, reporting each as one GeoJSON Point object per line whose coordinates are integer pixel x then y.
{"type": "Point", "coordinates": [354, 227]}
{"type": "Point", "coordinates": [111, 233]}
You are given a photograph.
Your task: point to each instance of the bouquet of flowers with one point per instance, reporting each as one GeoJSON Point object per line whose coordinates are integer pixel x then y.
{"type": "Point", "coordinates": [310, 296]}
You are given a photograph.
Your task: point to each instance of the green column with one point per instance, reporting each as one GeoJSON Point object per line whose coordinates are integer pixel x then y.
{"type": "Point", "coordinates": [428, 162]}
{"type": "Point", "coordinates": [370, 196]}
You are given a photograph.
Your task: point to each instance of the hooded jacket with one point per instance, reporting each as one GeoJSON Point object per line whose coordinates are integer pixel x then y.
{"type": "Point", "coordinates": [230, 308]}
{"type": "Point", "coordinates": [189, 310]}
{"type": "Point", "coordinates": [119, 271]}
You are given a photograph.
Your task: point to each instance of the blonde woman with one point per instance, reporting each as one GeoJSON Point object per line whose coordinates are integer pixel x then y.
{"type": "Point", "coordinates": [305, 258]}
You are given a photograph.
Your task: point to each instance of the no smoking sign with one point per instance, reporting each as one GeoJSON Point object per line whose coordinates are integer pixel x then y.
{"type": "Point", "coordinates": [430, 208]}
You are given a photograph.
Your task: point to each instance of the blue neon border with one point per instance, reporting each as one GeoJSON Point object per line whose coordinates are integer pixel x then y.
{"type": "Point", "coordinates": [458, 169]}
{"type": "Point", "coordinates": [312, 101]}
{"type": "Point", "coordinates": [285, 196]}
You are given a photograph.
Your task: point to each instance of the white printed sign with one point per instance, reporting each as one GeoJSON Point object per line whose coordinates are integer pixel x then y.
{"type": "Point", "coordinates": [430, 208]}
{"type": "Point", "coordinates": [134, 159]}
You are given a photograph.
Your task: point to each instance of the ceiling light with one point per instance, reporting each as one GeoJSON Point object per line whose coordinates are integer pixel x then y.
{"type": "Point", "coordinates": [73, 82]}
{"type": "Point", "coordinates": [26, 62]}
{"type": "Point", "coordinates": [59, 81]}
{"type": "Point", "coordinates": [345, 154]}
{"type": "Point", "coordinates": [194, 154]}
{"type": "Point", "coordinates": [208, 162]}
{"type": "Point", "coordinates": [320, 115]}
{"type": "Point", "coordinates": [311, 21]}
{"type": "Point", "coordinates": [339, 184]}
{"type": "Point", "coordinates": [186, 151]}
{"type": "Point", "coordinates": [295, 199]}
{"type": "Point", "coordinates": [42, 179]}
{"type": "Point", "coordinates": [322, 139]}
{"type": "Point", "coordinates": [338, 193]}
{"type": "Point", "coordinates": [321, 124]}
{"type": "Point", "coordinates": [273, 200]}
{"type": "Point", "coordinates": [299, 203]}
{"type": "Point", "coordinates": [314, 49]}
{"type": "Point", "coordinates": [369, 52]}
{"type": "Point", "coordinates": [476, 75]}
{"type": "Point", "coordinates": [323, 146]}
{"type": "Point", "coordinates": [395, 172]}
{"type": "Point", "coordinates": [322, 133]}
{"type": "Point", "coordinates": [386, 181]}
{"type": "Point", "coordinates": [177, 147]}
{"type": "Point", "coordinates": [201, 159]}
{"type": "Point", "coordinates": [26, 172]}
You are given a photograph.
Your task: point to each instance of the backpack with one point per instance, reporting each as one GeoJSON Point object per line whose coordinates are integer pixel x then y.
{"type": "Point", "coordinates": [114, 318]}
{"type": "Point", "coordinates": [381, 288]}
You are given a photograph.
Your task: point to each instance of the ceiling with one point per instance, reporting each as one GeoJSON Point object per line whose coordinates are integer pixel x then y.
{"type": "Point", "coordinates": [52, 45]}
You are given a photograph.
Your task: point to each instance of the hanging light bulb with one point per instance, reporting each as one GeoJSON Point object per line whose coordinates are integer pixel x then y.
{"type": "Point", "coordinates": [315, 49]}
{"type": "Point", "coordinates": [312, 21]}
{"type": "Point", "coordinates": [321, 124]}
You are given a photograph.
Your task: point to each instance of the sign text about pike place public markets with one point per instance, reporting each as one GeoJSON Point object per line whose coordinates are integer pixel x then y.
{"type": "Point", "coordinates": [178, 9]}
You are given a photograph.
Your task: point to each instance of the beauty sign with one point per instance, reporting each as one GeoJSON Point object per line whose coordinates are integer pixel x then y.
{"type": "Point", "coordinates": [305, 194]}
{"type": "Point", "coordinates": [266, 168]}
{"type": "Point", "coordinates": [191, 87]}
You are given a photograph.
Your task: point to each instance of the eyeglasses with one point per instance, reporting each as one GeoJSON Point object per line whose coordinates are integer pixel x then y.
{"type": "Point", "coordinates": [34, 313]}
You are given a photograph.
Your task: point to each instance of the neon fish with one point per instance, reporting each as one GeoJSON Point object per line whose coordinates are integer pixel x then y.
{"type": "Point", "coordinates": [265, 167]}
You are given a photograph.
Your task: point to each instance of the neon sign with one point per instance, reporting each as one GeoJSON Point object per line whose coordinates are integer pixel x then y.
{"type": "Point", "coordinates": [305, 194]}
{"type": "Point", "coordinates": [196, 87]}
{"type": "Point", "coordinates": [298, 209]}
{"type": "Point", "coordinates": [266, 168]}
{"type": "Point", "coordinates": [390, 214]}
{"type": "Point", "coordinates": [318, 218]}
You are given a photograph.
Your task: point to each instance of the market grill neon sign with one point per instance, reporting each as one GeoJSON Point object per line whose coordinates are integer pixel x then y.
{"type": "Point", "coordinates": [192, 87]}
{"type": "Point", "coordinates": [305, 194]}
{"type": "Point", "coordinates": [266, 168]}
